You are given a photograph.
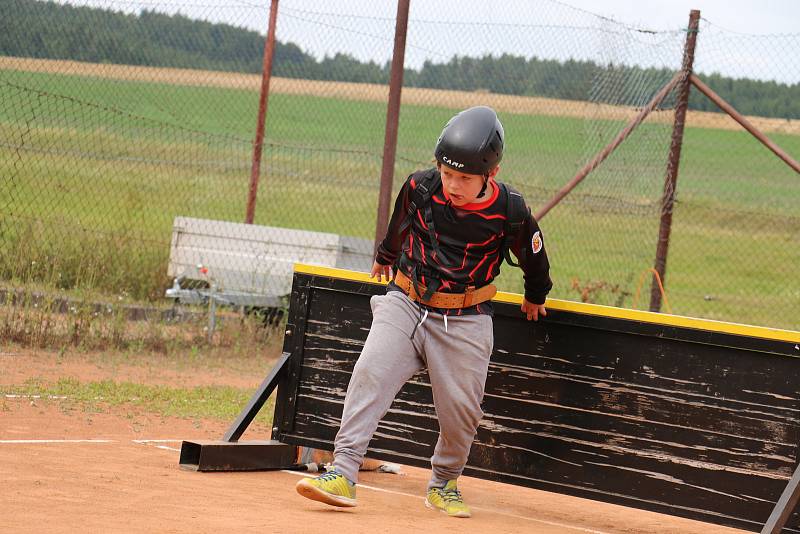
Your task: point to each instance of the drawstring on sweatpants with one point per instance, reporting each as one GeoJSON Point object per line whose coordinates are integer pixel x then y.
{"type": "Point", "coordinates": [422, 316]}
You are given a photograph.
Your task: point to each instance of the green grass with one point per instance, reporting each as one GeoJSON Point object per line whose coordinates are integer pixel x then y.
{"type": "Point", "coordinates": [205, 402]}
{"type": "Point", "coordinates": [97, 170]}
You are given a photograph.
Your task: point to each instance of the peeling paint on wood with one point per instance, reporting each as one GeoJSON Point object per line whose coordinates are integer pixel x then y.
{"type": "Point", "coordinates": [698, 424]}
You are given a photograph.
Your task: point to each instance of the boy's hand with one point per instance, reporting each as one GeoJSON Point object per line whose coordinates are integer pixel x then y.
{"type": "Point", "coordinates": [381, 270]}
{"type": "Point", "coordinates": [533, 311]}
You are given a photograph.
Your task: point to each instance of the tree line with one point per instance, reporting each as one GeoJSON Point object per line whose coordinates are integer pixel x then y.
{"type": "Point", "coordinates": [31, 28]}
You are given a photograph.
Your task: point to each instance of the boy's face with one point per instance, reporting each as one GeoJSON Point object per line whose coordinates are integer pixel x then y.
{"type": "Point", "coordinates": [462, 188]}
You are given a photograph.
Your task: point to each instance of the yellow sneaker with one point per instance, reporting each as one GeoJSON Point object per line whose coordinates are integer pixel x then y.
{"type": "Point", "coordinates": [448, 499]}
{"type": "Point", "coordinates": [331, 488]}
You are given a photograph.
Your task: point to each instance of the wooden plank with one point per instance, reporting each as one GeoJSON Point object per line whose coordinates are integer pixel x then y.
{"type": "Point", "coordinates": [701, 424]}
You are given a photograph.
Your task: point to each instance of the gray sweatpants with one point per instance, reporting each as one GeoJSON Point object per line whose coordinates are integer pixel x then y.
{"type": "Point", "coordinates": [457, 362]}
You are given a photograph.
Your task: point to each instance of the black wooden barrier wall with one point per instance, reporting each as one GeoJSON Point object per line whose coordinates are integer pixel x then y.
{"type": "Point", "coordinates": [701, 423]}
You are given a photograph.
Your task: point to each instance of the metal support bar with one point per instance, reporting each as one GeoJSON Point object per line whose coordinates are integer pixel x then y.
{"type": "Point", "coordinates": [746, 124]}
{"type": "Point", "coordinates": [392, 119]}
{"type": "Point", "coordinates": [785, 505]}
{"type": "Point", "coordinates": [603, 154]}
{"type": "Point", "coordinates": [236, 456]}
{"type": "Point", "coordinates": [212, 313]}
{"type": "Point", "coordinates": [671, 179]}
{"type": "Point", "coordinates": [258, 399]}
{"type": "Point", "coordinates": [232, 455]}
{"type": "Point", "coordinates": [263, 100]}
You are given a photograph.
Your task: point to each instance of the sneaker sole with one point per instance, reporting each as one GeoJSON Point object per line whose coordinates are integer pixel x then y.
{"type": "Point", "coordinates": [315, 494]}
{"type": "Point", "coordinates": [457, 514]}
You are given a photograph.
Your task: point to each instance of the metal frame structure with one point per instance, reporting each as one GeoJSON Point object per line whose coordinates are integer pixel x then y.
{"type": "Point", "coordinates": [683, 80]}
{"type": "Point", "coordinates": [683, 416]}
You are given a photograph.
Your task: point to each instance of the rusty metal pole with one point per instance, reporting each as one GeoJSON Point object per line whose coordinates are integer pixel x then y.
{"type": "Point", "coordinates": [746, 124]}
{"type": "Point", "coordinates": [671, 180]}
{"type": "Point", "coordinates": [609, 148]}
{"type": "Point", "coordinates": [258, 143]}
{"type": "Point", "coordinates": [392, 120]}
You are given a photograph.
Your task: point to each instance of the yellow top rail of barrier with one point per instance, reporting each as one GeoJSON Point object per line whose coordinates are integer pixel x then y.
{"type": "Point", "coordinates": [595, 309]}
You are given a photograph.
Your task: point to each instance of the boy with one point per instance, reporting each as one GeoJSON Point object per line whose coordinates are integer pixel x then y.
{"type": "Point", "coordinates": [444, 246]}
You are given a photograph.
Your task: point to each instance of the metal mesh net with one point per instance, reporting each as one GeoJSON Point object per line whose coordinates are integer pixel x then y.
{"type": "Point", "coordinates": [122, 123]}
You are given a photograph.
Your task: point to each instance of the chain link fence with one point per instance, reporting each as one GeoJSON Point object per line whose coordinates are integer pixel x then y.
{"type": "Point", "coordinates": [735, 249]}
{"type": "Point", "coordinates": [117, 117]}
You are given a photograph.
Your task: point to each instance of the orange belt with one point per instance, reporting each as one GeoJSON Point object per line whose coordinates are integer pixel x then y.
{"type": "Point", "coordinates": [446, 300]}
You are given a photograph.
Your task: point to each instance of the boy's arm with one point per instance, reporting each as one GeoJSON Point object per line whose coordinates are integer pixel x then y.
{"type": "Point", "coordinates": [392, 244]}
{"type": "Point", "coordinates": [529, 249]}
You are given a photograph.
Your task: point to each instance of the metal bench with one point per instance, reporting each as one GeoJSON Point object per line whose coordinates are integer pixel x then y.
{"type": "Point", "coordinates": [247, 265]}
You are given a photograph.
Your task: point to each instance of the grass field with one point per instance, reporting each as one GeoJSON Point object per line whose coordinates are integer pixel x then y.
{"type": "Point", "coordinates": [99, 168]}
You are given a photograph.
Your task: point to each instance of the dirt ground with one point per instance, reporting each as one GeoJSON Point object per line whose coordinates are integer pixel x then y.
{"type": "Point", "coordinates": [117, 471]}
{"type": "Point", "coordinates": [380, 93]}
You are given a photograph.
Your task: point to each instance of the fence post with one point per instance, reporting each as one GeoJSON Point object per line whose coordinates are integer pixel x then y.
{"type": "Point", "coordinates": [392, 119]}
{"type": "Point", "coordinates": [670, 182]}
{"type": "Point", "coordinates": [258, 143]}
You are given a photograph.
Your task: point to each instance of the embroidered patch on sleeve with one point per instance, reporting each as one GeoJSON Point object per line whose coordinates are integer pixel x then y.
{"type": "Point", "coordinates": [536, 242]}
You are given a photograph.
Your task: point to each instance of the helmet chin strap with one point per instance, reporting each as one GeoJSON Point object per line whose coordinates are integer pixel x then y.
{"type": "Point", "coordinates": [485, 183]}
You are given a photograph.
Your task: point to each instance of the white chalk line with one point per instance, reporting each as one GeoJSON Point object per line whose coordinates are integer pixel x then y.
{"type": "Point", "coordinates": [101, 441]}
{"type": "Point", "coordinates": [167, 448]}
{"type": "Point", "coordinates": [489, 510]}
{"type": "Point", "coordinates": [154, 443]}
{"type": "Point", "coordinates": [52, 441]}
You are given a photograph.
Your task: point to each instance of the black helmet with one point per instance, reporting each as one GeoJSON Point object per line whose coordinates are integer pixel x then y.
{"type": "Point", "coordinates": [472, 141]}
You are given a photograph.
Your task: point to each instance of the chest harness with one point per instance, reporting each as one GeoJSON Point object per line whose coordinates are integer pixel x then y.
{"type": "Point", "coordinates": [426, 185]}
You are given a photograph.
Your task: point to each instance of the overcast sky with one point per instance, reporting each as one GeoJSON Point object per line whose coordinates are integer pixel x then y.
{"type": "Point", "coordinates": [547, 28]}
{"type": "Point", "coordinates": [745, 16]}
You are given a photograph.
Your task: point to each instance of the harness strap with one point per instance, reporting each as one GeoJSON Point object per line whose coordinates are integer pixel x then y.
{"type": "Point", "coordinates": [515, 218]}
{"type": "Point", "coordinates": [426, 292]}
{"type": "Point", "coordinates": [419, 198]}
{"type": "Point", "coordinates": [428, 217]}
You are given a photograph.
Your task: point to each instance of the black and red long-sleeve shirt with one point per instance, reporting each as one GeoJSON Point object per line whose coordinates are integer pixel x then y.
{"type": "Point", "coordinates": [468, 247]}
